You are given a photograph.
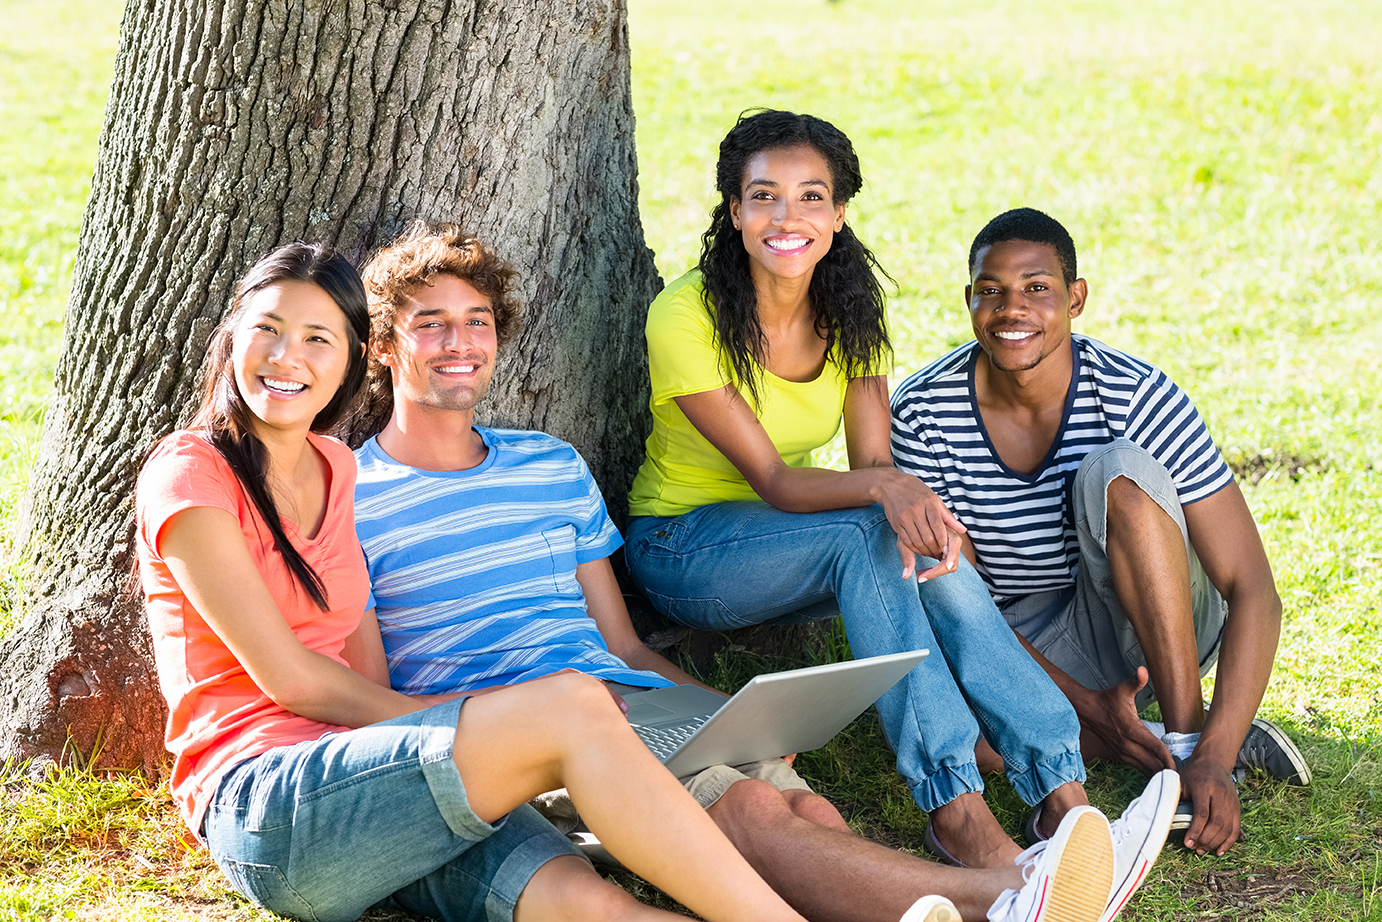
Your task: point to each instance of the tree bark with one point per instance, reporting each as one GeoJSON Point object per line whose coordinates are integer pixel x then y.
{"type": "Point", "coordinates": [236, 128]}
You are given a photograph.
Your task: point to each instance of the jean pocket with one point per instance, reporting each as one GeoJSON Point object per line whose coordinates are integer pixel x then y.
{"type": "Point", "coordinates": [701, 614]}
{"type": "Point", "coordinates": [267, 886]}
{"type": "Point", "coordinates": [666, 539]}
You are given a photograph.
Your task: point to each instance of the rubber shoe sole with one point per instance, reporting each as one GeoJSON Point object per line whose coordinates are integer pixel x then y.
{"type": "Point", "coordinates": [1076, 889]}
{"type": "Point", "coordinates": [932, 909]}
{"type": "Point", "coordinates": [1182, 818]}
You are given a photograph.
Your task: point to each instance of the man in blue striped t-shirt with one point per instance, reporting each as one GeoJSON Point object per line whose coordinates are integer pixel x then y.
{"type": "Point", "coordinates": [488, 558]}
{"type": "Point", "coordinates": [1105, 523]}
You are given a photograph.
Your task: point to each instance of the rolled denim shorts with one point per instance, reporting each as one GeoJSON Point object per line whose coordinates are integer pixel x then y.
{"type": "Point", "coordinates": [1083, 629]}
{"type": "Point", "coordinates": [377, 816]}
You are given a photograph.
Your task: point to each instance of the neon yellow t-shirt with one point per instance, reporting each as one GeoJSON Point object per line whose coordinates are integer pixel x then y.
{"type": "Point", "coordinates": [682, 470]}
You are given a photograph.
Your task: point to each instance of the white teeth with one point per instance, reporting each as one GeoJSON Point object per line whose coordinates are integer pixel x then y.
{"type": "Point", "coordinates": [283, 387]}
{"type": "Point", "coordinates": [454, 369]}
{"type": "Point", "coordinates": [788, 243]}
{"type": "Point", "coordinates": [1014, 334]}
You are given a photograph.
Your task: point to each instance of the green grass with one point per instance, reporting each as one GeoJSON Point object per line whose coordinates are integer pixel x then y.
{"type": "Point", "coordinates": [55, 69]}
{"type": "Point", "coordinates": [1218, 168]}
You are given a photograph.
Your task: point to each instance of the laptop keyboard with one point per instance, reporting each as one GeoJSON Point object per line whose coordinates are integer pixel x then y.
{"type": "Point", "coordinates": [664, 741]}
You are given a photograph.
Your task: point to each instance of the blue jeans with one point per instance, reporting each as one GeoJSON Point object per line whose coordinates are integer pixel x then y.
{"type": "Point", "coordinates": [325, 829]}
{"type": "Point", "coordinates": [730, 565]}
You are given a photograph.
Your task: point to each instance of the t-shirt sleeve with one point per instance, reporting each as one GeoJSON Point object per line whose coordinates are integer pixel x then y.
{"type": "Point", "coordinates": [183, 472]}
{"type": "Point", "coordinates": [682, 358]}
{"type": "Point", "coordinates": [1162, 420]}
{"type": "Point", "coordinates": [912, 453]}
{"type": "Point", "coordinates": [596, 537]}
{"type": "Point", "coordinates": [911, 434]}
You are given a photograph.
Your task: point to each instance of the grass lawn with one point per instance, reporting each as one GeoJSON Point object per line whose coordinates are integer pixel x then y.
{"type": "Point", "coordinates": [1219, 170]}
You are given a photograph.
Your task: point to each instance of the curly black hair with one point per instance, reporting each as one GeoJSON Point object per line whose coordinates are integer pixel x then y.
{"type": "Point", "coordinates": [1033, 226]}
{"type": "Point", "coordinates": [845, 293]}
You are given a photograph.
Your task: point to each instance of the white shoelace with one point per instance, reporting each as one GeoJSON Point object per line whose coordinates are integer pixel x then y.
{"type": "Point", "coordinates": [1028, 861]}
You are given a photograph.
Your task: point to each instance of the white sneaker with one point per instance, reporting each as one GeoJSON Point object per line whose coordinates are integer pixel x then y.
{"type": "Point", "coordinates": [932, 909]}
{"type": "Point", "coordinates": [1138, 836]}
{"type": "Point", "coordinates": [1068, 877]}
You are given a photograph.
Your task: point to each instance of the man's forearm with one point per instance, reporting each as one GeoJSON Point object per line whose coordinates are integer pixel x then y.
{"type": "Point", "coordinates": [1251, 632]}
{"type": "Point", "coordinates": [640, 657]}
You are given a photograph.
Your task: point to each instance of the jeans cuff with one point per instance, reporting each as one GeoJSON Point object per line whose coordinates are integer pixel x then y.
{"type": "Point", "coordinates": [945, 784]}
{"type": "Point", "coordinates": [1041, 778]}
{"type": "Point", "coordinates": [518, 869]}
{"type": "Point", "coordinates": [438, 738]}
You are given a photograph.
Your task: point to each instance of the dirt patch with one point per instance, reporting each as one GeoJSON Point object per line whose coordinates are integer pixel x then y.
{"type": "Point", "coordinates": [1252, 470]}
{"type": "Point", "coordinates": [1251, 896]}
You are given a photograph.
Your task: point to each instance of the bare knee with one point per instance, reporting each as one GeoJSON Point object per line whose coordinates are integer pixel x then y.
{"type": "Point", "coordinates": [1129, 503]}
{"type": "Point", "coordinates": [574, 698]}
{"type": "Point", "coordinates": [749, 806]}
{"type": "Point", "coordinates": [814, 808]}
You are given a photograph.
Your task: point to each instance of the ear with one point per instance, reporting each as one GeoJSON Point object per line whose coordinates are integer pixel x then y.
{"type": "Point", "coordinates": [840, 217]}
{"type": "Point", "coordinates": [734, 211]}
{"type": "Point", "coordinates": [969, 296]}
{"type": "Point", "coordinates": [1079, 291]}
{"type": "Point", "coordinates": [383, 352]}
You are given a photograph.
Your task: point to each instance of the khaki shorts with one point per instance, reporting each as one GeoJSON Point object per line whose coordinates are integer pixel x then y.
{"type": "Point", "coordinates": [707, 786]}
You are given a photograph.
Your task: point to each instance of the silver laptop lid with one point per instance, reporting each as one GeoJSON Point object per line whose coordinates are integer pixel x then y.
{"type": "Point", "coordinates": [775, 713]}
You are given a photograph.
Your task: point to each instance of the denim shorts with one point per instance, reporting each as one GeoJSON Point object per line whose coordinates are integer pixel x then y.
{"type": "Point", "coordinates": [1083, 629]}
{"type": "Point", "coordinates": [325, 829]}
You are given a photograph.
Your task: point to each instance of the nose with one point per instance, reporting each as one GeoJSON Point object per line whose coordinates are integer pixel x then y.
{"type": "Point", "coordinates": [783, 212]}
{"type": "Point", "coordinates": [1013, 301]}
{"type": "Point", "coordinates": [456, 338]}
{"type": "Point", "coordinates": [286, 352]}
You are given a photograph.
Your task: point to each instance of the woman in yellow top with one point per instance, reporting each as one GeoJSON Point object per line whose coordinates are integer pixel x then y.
{"type": "Point", "coordinates": [756, 357]}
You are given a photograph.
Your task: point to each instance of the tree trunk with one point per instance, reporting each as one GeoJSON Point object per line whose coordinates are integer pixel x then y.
{"type": "Point", "coordinates": [234, 129]}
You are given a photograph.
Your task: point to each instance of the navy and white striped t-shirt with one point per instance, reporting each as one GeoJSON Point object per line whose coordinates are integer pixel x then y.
{"type": "Point", "coordinates": [1021, 525]}
{"type": "Point", "coordinates": [473, 573]}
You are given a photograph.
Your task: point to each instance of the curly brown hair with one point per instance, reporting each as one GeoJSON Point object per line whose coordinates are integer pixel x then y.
{"type": "Point", "coordinates": [413, 259]}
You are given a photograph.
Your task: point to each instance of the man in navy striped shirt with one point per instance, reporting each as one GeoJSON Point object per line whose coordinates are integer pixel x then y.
{"type": "Point", "coordinates": [1106, 524]}
{"type": "Point", "coordinates": [488, 553]}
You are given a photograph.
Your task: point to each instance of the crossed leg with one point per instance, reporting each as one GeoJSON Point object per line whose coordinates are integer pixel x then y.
{"type": "Point", "coordinates": [565, 731]}
{"type": "Point", "coordinates": [801, 846]}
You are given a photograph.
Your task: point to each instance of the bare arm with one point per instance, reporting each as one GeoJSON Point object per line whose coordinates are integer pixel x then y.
{"type": "Point", "coordinates": [920, 519]}
{"type": "Point", "coordinates": [605, 603]}
{"type": "Point", "coordinates": [1226, 540]}
{"type": "Point", "coordinates": [364, 650]}
{"type": "Point", "coordinates": [206, 554]}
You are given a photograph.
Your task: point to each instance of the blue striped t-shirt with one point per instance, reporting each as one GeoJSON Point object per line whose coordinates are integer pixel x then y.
{"type": "Point", "coordinates": [1021, 525]}
{"type": "Point", "coordinates": [473, 573]}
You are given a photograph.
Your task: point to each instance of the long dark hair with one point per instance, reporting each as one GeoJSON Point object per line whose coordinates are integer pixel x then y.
{"type": "Point", "coordinates": [846, 295]}
{"type": "Point", "coordinates": [222, 414]}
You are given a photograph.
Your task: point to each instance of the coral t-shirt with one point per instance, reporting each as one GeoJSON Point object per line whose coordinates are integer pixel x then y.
{"type": "Point", "coordinates": [217, 716]}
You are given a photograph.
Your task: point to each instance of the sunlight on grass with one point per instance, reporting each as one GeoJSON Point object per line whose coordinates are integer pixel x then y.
{"type": "Point", "coordinates": [1217, 165]}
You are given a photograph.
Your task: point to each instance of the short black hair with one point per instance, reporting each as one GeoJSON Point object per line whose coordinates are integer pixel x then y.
{"type": "Point", "coordinates": [1028, 224]}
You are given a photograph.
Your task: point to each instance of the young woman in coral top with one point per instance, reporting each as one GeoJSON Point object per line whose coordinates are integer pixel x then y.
{"type": "Point", "coordinates": [319, 792]}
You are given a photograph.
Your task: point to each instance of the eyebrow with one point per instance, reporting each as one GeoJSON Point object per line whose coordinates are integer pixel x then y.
{"type": "Point", "coordinates": [442, 311]}
{"type": "Point", "coordinates": [311, 326]}
{"type": "Point", "coordinates": [772, 185]}
{"type": "Point", "coordinates": [1034, 273]}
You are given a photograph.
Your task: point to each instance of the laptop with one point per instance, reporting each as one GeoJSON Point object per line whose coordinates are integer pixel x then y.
{"type": "Point", "coordinates": [775, 714]}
